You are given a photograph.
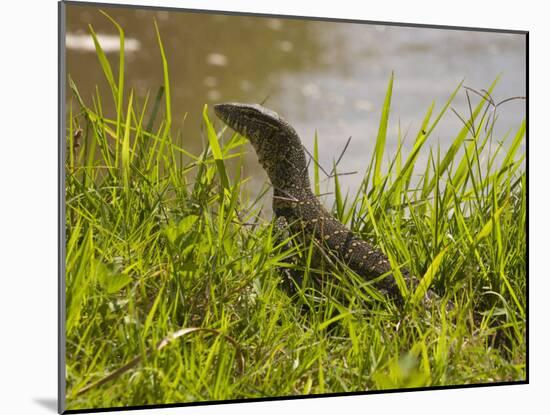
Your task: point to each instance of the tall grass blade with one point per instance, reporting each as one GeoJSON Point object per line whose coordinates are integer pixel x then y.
{"type": "Point", "coordinates": [515, 145]}
{"type": "Point", "coordinates": [105, 65]}
{"type": "Point", "coordinates": [125, 154]}
{"type": "Point", "coordinates": [428, 277]}
{"type": "Point", "coordinates": [215, 147]}
{"type": "Point", "coordinates": [120, 88]}
{"type": "Point", "coordinates": [382, 132]}
{"type": "Point", "coordinates": [154, 112]}
{"type": "Point", "coordinates": [166, 79]}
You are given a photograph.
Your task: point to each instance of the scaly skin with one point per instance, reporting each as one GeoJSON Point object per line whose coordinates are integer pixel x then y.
{"type": "Point", "coordinates": [280, 153]}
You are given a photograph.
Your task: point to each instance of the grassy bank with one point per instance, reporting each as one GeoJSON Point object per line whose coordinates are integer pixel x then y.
{"type": "Point", "coordinates": [160, 240]}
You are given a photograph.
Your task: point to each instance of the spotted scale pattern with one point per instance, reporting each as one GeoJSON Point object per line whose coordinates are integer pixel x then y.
{"type": "Point", "coordinates": [280, 152]}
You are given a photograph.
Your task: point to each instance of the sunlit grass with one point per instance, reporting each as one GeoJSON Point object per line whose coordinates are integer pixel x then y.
{"type": "Point", "coordinates": [159, 240]}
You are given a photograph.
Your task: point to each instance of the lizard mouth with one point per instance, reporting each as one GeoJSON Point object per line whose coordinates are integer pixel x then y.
{"type": "Point", "coordinates": [230, 116]}
{"type": "Point", "coordinates": [223, 112]}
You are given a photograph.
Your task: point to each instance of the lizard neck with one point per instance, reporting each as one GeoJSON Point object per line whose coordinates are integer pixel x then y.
{"type": "Point", "coordinates": [283, 158]}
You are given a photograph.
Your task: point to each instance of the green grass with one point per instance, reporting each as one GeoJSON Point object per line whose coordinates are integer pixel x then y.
{"type": "Point", "coordinates": [160, 240]}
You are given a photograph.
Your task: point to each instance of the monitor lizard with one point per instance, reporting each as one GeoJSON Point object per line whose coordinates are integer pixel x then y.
{"type": "Point", "coordinates": [295, 206]}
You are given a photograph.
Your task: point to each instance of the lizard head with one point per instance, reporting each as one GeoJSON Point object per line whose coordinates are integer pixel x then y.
{"type": "Point", "coordinates": [250, 120]}
{"type": "Point", "coordinates": [276, 143]}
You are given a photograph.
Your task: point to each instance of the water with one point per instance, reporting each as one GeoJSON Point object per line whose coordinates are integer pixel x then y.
{"type": "Point", "coordinates": [327, 77]}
